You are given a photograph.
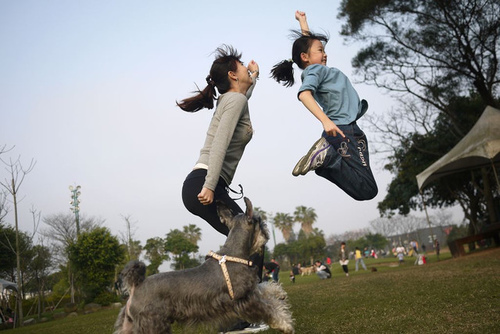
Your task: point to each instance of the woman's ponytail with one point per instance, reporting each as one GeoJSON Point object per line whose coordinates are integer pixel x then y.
{"type": "Point", "coordinates": [203, 99]}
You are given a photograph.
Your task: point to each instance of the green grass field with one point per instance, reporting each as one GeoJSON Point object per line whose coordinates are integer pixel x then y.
{"type": "Point", "coordinates": [448, 296]}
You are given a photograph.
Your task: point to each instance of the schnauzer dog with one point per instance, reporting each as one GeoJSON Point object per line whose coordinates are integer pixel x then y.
{"type": "Point", "coordinates": [221, 291]}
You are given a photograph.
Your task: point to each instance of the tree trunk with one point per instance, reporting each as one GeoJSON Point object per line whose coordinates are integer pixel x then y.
{"type": "Point", "coordinates": [19, 295]}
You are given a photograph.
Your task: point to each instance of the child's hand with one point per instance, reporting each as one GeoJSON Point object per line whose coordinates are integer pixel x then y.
{"type": "Point", "coordinates": [332, 129]}
{"type": "Point", "coordinates": [300, 16]}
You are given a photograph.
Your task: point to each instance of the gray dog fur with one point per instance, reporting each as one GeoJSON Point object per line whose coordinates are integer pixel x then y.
{"type": "Point", "coordinates": [200, 295]}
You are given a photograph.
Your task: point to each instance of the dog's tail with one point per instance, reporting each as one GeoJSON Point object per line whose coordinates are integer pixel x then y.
{"type": "Point", "coordinates": [133, 274]}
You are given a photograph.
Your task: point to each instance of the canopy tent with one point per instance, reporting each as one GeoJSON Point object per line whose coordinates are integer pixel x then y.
{"type": "Point", "coordinates": [7, 285]}
{"type": "Point", "coordinates": [480, 147]}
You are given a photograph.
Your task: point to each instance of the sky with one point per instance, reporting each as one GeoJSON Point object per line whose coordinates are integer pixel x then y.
{"type": "Point", "coordinates": [88, 90]}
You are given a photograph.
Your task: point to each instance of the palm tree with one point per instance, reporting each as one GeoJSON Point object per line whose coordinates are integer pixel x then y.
{"type": "Point", "coordinates": [306, 217]}
{"type": "Point", "coordinates": [284, 222]}
{"type": "Point", "coordinates": [192, 233]}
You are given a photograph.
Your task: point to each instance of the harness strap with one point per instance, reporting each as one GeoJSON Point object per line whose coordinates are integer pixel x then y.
{"type": "Point", "coordinates": [222, 262]}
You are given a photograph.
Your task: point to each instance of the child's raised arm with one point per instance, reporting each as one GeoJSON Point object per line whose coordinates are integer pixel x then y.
{"type": "Point", "coordinates": [301, 17]}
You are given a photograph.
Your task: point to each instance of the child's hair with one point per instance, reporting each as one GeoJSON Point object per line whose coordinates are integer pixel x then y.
{"type": "Point", "coordinates": [283, 71]}
{"type": "Point", "coordinates": [226, 59]}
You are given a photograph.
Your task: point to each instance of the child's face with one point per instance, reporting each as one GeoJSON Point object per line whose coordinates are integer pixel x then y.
{"type": "Point", "coordinates": [316, 53]}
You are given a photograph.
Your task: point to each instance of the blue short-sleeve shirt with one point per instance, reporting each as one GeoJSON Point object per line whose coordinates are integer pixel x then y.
{"type": "Point", "coordinates": [334, 93]}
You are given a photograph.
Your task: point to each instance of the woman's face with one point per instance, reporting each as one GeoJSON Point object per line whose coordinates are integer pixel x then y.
{"type": "Point", "coordinates": [244, 81]}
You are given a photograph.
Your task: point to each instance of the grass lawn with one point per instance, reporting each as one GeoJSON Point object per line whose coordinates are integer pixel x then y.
{"type": "Point", "coordinates": [448, 296]}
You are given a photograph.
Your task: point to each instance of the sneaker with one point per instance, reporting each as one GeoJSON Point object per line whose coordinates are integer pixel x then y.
{"type": "Point", "coordinates": [313, 159]}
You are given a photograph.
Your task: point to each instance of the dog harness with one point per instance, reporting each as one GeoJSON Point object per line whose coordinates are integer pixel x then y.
{"type": "Point", "coordinates": [222, 262]}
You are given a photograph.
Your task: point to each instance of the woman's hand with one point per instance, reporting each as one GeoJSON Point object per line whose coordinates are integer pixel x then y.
{"type": "Point", "coordinates": [253, 67]}
{"type": "Point", "coordinates": [206, 196]}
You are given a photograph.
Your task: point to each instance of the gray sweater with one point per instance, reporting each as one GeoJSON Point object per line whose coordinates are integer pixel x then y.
{"type": "Point", "coordinates": [229, 132]}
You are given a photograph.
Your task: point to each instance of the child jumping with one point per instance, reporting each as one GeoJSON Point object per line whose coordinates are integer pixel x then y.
{"type": "Point", "coordinates": [341, 154]}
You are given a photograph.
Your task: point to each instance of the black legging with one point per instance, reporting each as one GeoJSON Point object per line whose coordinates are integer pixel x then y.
{"type": "Point", "coordinates": [190, 190]}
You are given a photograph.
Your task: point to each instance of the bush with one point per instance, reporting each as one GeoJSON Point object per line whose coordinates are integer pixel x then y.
{"type": "Point", "coordinates": [106, 298]}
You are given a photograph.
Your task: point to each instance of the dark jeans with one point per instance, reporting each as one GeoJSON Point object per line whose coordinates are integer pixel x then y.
{"type": "Point", "coordinates": [190, 190]}
{"type": "Point", "coordinates": [347, 163]}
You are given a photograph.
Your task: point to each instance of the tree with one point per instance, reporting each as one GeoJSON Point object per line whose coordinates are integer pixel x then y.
{"type": "Point", "coordinates": [441, 59]}
{"type": "Point", "coordinates": [178, 244]}
{"type": "Point", "coordinates": [95, 254]}
{"type": "Point", "coordinates": [60, 230]}
{"type": "Point", "coordinates": [192, 233]}
{"type": "Point", "coordinates": [4, 209]}
{"type": "Point", "coordinates": [313, 245]}
{"type": "Point", "coordinates": [304, 249]}
{"type": "Point", "coordinates": [17, 173]}
{"type": "Point", "coordinates": [155, 253]}
{"type": "Point", "coordinates": [8, 259]}
{"type": "Point", "coordinates": [39, 267]}
{"type": "Point", "coordinates": [133, 247]}
{"type": "Point", "coordinates": [284, 222]}
{"type": "Point", "coordinates": [432, 50]}
{"type": "Point", "coordinates": [384, 226]}
{"type": "Point", "coordinates": [377, 241]}
{"type": "Point", "coordinates": [263, 214]}
{"type": "Point", "coordinates": [306, 217]}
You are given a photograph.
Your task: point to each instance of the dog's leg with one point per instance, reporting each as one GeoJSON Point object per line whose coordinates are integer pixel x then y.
{"type": "Point", "coordinates": [150, 321]}
{"type": "Point", "coordinates": [123, 324]}
{"type": "Point", "coordinates": [268, 303]}
{"type": "Point", "coordinates": [277, 308]}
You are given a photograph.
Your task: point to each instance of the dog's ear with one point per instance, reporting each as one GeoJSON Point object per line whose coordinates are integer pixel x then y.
{"type": "Point", "coordinates": [249, 212]}
{"type": "Point", "coordinates": [261, 235]}
{"type": "Point", "coordinates": [225, 214]}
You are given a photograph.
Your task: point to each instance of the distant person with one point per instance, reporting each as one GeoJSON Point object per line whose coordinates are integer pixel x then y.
{"type": "Point", "coordinates": [344, 260]}
{"type": "Point", "coordinates": [292, 276]}
{"type": "Point", "coordinates": [272, 269]}
{"type": "Point", "coordinates": [322, 271]}
{"type": "Point", "coordinates": [437, 248]}
{"type": "Point", "coordinates": [414, 247]}
{"type": "Point", "coordinates": [359, 259]}
{"type": "Point", "coordinates": [366, 252]}
{"type": "Point", "coordinates": [400, 253]}
{"type": "Point", "coordinates": [276, 271]}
